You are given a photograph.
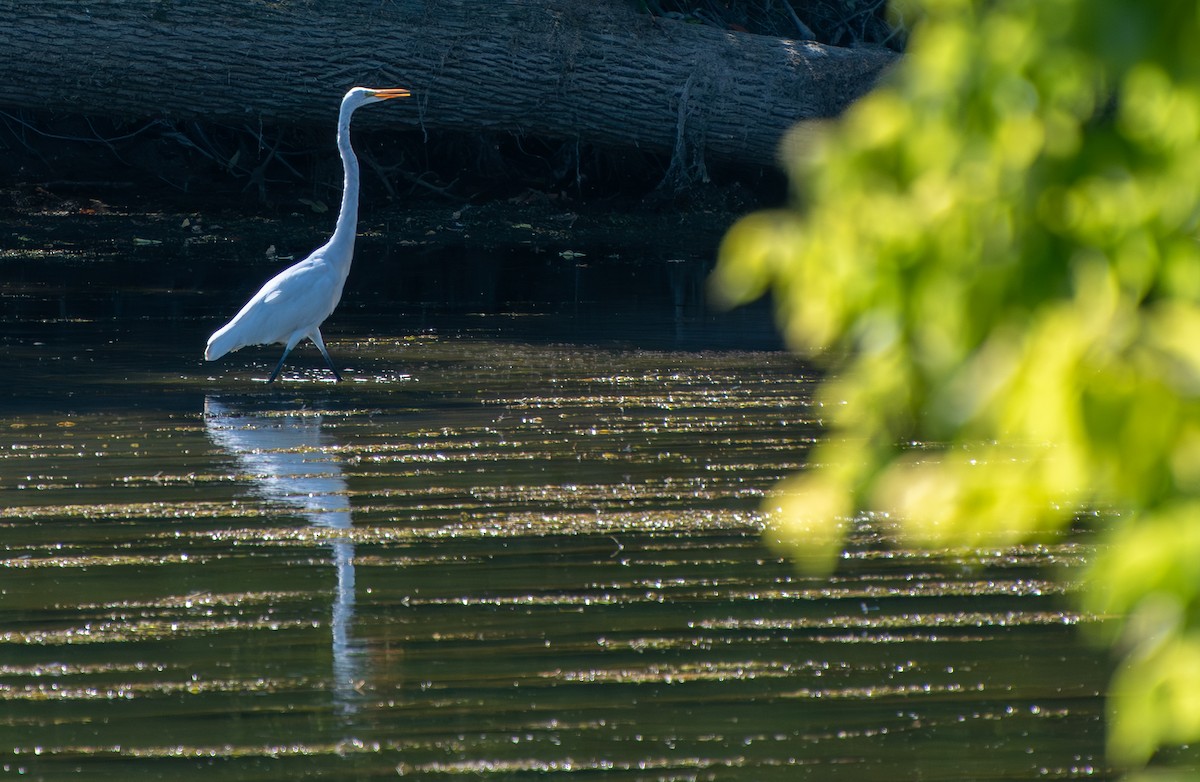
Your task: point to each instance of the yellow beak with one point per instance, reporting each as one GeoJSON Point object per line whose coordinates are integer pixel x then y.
{"type": "Point", "coordinates": [397, 92]}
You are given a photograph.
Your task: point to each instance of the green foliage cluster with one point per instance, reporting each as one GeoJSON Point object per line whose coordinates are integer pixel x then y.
{"type": "Point", "coordinates": [996, 253]}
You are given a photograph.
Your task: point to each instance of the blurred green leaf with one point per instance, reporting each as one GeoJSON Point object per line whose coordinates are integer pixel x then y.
{"type": "Point", "coordinates": [996, 255]}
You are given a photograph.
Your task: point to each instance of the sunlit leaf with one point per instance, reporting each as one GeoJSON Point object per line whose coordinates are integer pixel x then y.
{"type": "Point", "coordinates": [997, 255]}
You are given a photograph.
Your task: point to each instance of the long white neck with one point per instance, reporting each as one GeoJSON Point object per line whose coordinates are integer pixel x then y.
{"type": "Point", "coordinates": [342, 241]}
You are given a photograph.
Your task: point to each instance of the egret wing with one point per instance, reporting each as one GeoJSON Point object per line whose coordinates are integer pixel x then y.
{"type": "Point", "coordinates": [284, 310]}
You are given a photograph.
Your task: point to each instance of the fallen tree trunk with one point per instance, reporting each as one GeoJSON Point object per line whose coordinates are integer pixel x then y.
{"type": "Point", "coordinates": [595, 70]}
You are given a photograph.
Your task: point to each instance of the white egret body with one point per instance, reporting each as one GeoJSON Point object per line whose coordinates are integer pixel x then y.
{"type": "Point", "coordinates": [293, 304]}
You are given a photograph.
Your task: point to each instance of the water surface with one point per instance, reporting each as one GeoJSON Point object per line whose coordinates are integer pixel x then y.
{"type": "Point", "coordinates": [521, 541]}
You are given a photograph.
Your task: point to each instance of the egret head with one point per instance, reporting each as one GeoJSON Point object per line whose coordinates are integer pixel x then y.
{"type": "Point", "coordinates": [360, 96]}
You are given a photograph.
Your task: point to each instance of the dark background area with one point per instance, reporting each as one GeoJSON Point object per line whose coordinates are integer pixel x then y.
{"type": "Point", "coordinates": [58, 161]}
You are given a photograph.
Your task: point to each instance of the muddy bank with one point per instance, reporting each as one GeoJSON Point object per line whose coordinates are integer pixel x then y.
{"type": "Point", "coordinates": [121, 220]}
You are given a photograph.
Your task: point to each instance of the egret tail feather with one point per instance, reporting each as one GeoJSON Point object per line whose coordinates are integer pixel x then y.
{"type": "Point", "coordinates": [220, 343]}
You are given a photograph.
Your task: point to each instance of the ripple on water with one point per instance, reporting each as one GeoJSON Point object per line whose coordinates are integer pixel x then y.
{"type": "Point", "coordinates": [508, 561]}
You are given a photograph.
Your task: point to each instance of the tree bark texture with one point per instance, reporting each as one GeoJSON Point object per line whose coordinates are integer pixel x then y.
{"type": "Point", "coordinates": [588, 69]}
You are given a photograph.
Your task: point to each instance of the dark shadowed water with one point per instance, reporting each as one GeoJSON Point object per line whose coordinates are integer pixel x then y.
{"type": "Point", "coordinates": [521, 541]}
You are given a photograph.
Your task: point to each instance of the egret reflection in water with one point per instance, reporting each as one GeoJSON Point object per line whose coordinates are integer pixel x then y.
{"type": "Point", "coordinates": [285, 454]}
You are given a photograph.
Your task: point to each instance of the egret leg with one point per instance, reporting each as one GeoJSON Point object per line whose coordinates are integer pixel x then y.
{"type": "Point", "coordinates": [320, 343]}
{"type": "Point", "coordinates": [279, 366]}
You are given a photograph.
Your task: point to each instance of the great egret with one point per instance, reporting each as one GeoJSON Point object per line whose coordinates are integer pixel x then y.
{"type": "Point", "coordinates": [293, 304]}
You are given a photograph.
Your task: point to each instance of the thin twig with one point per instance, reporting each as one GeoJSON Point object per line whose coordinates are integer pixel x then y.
{"type": "Point", "coordinates": [806, 33]}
